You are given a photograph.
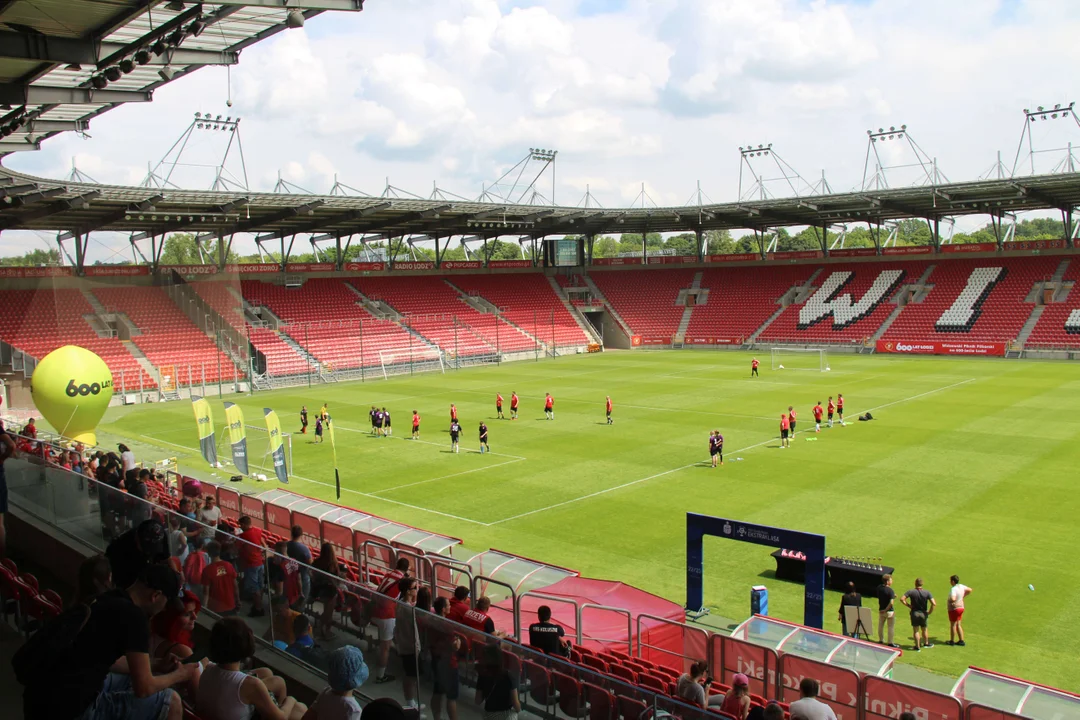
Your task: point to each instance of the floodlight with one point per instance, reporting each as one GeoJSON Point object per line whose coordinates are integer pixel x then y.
{"type": "Point", "coordinates": [177, 37]}
{"type": "Point", "coordinates": [127, 65]}
{"type": "Point", "coordinates": [158, 48]}
{"type": "Point", "coordinates": [175, 6]}
{"type": "Point", "coordinates": [196, 28]}
{"type": "Point", "coordinates": [294, 20]}
{"type": "Point", "coordinates": [112, 74]}
{"type": "Point", "coordinates": [198, 114]}
{"type": "Point", "coordinates": [142, 57]}
{"type": "Point", "coordinates": [98, 82]}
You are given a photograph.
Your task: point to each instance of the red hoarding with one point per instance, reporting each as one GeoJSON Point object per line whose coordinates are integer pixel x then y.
{"type": "Point", "coordinates": [34, 272]}
{"type": "Point", "coordinates": [116, 270]}
{"type": "Point", "coordinates": [760, 664]}
{"type": "Point", "coordinates": [311, 528]}
{"type": "Point", "coordinates": [795, 255]}
{"type": "Point", "coordinates": [229, 502]}
{"type": "Point", "coordinates": [673, 260]}
{"type": "Point", "coordinates": [656, 341]}
{"type": "Point", "coordinates": [278, 519]}
{"type": "Point", "coordinates": [462, 265]}
{"type": "Point", "coordinates": [253, 268]}
{"type": "Point", "coordinates": [712, 340]}
{"type": "Point", "coordinates": [969, 248]}
{"type": "Point", "coordinates": [365, 267]}
{"type": "Point", "coordinates": [253, 508]}
{"type": "Point", "coordinates": [852, 252]}
{"type": "Point", "coordinates": [190, 269]}
{"type": "Point", "coordinates": [1037, 245]}
{"type": "Point", "coordinates": [635, 340]}
{"type": "Point", "coordinates": [311, 267]}
{"type": "Point", "coordinates": [737, 257]}
{"type": "Point", "coordinates": [908, 250]}
{"type": "Point", "coordinates": [935, 347]}
{"type": "Point", "coordinates": [839, 686]}
{"type": "Point", "coordinates": [414, 266]}
{"type": "Point", "coordinates": [888, 699]}
{"type": "Point", "coordinates": [617, 261]}
{"type": "Point", "coordinates": [509, 263]}
{"type": "Point", "coordinates": [341, 538]}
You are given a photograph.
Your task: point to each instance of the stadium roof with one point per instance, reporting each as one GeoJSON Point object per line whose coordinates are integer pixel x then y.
{"type": "Point", "coordinates": [64, 62]}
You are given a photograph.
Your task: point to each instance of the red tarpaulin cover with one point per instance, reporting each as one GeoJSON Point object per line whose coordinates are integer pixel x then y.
{"type": "Point", "coordinates": [667, 640]}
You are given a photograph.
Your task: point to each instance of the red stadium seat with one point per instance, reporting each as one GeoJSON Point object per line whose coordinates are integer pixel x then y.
{"type": "Point", "coordinates": [541, 690]}
{"type": "Point", "coordinates": [601, 702]}
{"type": "Point", "coordinates": [571, 695]}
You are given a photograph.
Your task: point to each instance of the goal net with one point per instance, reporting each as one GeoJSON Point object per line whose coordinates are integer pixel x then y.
{"type": "Point", "coordinates": [260, 461]}
{"type": "Point", "coordinates": [418, 358]}
{"type": "Point", "coordinates": [785, 358]}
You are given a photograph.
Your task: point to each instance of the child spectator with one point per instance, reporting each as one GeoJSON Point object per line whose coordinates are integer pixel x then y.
{"type": "Point", "coordinates": [302, 643]}
{"type": "Point", "coordinates": [218, 582]}
{"type": "Point", "coordinates": [347, 671]}
{"type": "Point", "coordinates": [281, 621]}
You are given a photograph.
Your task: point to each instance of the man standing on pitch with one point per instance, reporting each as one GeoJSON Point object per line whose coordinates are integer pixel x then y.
{"type": "Point", "coordinates": [387, 430]}
{"type": "Point", "coordinates": [886, 597]}
{"type": "Point", "coordinates": [549, 406]}
{"type": "Point", "coordinates": [818, 411]}
{"type": "Point", "coordinates": [921, 603]}
{"type": "Point", "coordinates": [956, 610]}
{"type": "Point", "coordinates": [513, 405]}
{"type": "Point", "coordinates": [455, 433]}
{"type": "Point", "coordinates": [840, 407]}
{"type": "Point", "coordinates": [303, 420]}
{"type": "Point", "coordinates": [832, 409]}
{"type": "Point", "coordinates": [483, 438]}
{"type": "Point", "coordinates": [453, 413]}
{"type": "Point", "coordinates": [498, 406]}
{"type": "Point", "coordinates": [608, 409]}
{"type": "Point", "coordinates": [415, 425]}
{"type": "Point", "coordinates": [785, 426]}
{"type": "Point", "coordinates": [791, 415]}
{"type": "Point", "coordinates": [753, 367]}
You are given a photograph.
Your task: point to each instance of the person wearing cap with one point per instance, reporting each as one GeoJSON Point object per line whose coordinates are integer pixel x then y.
{"type": "Point", "coordinates": [131, 552]}
{"type": "Point", "coordinates": [106, 672]}
{"type": "Point", "coordinates": [808, 707]}
{"type": "Point", "coordinates": [346, 671]}
{"type": "Point", "coordinates": [736, 702]}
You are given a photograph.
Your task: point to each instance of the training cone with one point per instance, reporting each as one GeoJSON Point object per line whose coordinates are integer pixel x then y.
{"type": "Point", "coordinates": [72, 387]}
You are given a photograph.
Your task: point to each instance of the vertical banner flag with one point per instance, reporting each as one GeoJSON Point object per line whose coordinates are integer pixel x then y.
{"type": "Point", "coordinates": [234, 419]}
{"type": "Point", "coordinates": [204, 421]}
{"type": "Point", "coordinates": [333, 452]}
{"type": "Point", "coordinates": [277, 444]}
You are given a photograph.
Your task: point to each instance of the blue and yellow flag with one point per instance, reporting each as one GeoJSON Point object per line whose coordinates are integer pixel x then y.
{"type": "Point", "coordinates": [234, 419]}
{"type": "Point", "coordinates": [277, 444]}
{"type": "Point", "coordinates": [204, 421]}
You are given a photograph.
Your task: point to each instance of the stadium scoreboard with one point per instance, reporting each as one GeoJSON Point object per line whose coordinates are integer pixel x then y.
{"type": "Point", "coordinates": [564, 252]}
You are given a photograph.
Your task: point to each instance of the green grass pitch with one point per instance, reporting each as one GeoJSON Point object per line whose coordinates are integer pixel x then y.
{"type": "Point", "coordinates": [969, 468]}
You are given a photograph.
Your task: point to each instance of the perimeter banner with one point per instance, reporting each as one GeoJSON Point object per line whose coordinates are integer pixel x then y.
{"type": "Point", "coordinates": [934, 347]}
{"type": "Point", "coordinates": [509, 263]}
{"type": "Point", "coordinates": [234, 419]}
{"type": "Point", "coordinates": [204, 422]}
{"type": "Point", "coordinates": [277, 444]}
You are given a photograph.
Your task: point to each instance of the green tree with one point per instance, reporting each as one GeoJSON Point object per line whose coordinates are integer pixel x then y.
{"type": "Point", "coordinates": [913, 231]}
{"type": "Point", "coordinates": [32, 258]}
{"type": "Point", "coordinates": [683, 244]}
{"type": "Point", "coordinates": [807, 239]}
{"type": "Point", "coordinates": [719, 242]}
{"type": "Point", "coordinates": [605, 247]}
{"type": "Point", "coordinates": [1040, 229]}
{"type": "Point", "coordinates": [501, 250]}
{"type": "Point", "coordinates": [181, 249]}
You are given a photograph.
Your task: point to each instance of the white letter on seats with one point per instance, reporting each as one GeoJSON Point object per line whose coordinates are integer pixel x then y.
{"type": "Point", "coordinates": [967, 307]}
{"type": "Point", "coordinates": [827, 300]}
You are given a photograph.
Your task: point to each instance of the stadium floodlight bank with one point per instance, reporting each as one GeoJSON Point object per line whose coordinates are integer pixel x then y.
{"type": "Point", "coordinates": [789, 358]}
{"type": "Point", "coordinates": [405, 361]}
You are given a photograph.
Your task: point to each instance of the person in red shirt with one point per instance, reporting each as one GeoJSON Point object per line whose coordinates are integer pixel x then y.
{"type": "Point", "coordinates": [478, 618]}
{"type": "Point", "coordinates": [817, 416]}
{"type": "Point", "coordinates": [30, 430]}
{"type": "Point", "coordinates": [459, 604]}
{"type": "Point", "coordinates": [498, 406]}
{"type": "Point", "coordinates": [218, 582]}
{"type": "Point", "coordinates": [791, 414]}
{"type": "Point", "coordinates": [840, 408]}
{"type": "Point", "coordinates": [609, 420]}
{"type": "Point", "coordinates": [385, 615]}
{"type": "Point", "coordinates": [252, 569]}
{"type": "Point", "coordinates": [415, 425]}
{"type": "Point", "coordinates": [832, 409]}
{"type": "Point", "coordinates": [785, 427]}
{"type": "Point", "coordinates": [753, 367]}
{"type": "Point", "coordinates": [549, 406]}
{"type": "Point", "coordinates": [513, 405]}
{"type": "Point", "coordinates": [453, 412]}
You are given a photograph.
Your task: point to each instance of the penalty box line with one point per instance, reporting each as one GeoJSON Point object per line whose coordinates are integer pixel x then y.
{"type": "Point", "coordinates": [694, 464]}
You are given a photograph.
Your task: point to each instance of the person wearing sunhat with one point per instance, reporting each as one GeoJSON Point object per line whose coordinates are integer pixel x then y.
{"type": "Point", "coordinates": [737, 699]}
{"type": "Point", "coordinates": [346, 672]}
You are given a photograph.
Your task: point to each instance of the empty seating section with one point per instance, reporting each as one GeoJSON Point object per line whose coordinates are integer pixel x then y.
{"type": "Point", "coordinates": [991, 307]}
{"type": "Point", "coordinates": [325, 318]}
{"type": "Point", "coordinates": [573, 281]}
{"type": "Point", "coordinates": [39, 321]}
{"type": "Point", "coordinates": [528, 301]}
{"type": "Point", "coordinates": [218, 296]}
{"type": "Point", "coordinates": [741, 299]}
{"type": "Point", "coordinates": [847, 304]}
{"type": "Point", "coordinates": [645, 299]}
{"type": "Point", "coordinates": [1058, 327]}
{"type": "Point", "coordinates": [168, 336]}
{"type": "Point", "coordinates": [436, 311]}
{"type": "Point", "coordinates": [281, 358]}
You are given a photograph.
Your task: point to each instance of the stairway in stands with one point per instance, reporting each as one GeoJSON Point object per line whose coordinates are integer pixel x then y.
{"type": "Point", "coordinates": [802, 292]}
{"type": "Point", "coordinates": [680, 333]}
{"type": "Point", "coordinates": [586, 327]}
{"type": "Point", "coordinates": [920, 289]}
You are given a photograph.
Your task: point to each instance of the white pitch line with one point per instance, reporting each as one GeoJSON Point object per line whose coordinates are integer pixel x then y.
{"type": "Point", "coordinates": [928, 392]}
{"type": "Point", "coordinates": [444, 477]}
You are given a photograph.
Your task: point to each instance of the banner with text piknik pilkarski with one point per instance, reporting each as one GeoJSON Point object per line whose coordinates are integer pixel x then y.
{"type": "Point", "coordinates": [234, 419]}
{"type": "Point", "coordinates": [204, 421]}
{"type": "Point", "coordinates": [277, 444]}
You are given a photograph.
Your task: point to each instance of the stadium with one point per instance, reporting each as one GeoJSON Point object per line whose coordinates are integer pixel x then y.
{"type": "Point", "coordinates": [417, 433]}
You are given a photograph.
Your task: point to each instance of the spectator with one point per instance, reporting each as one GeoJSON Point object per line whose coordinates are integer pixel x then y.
{"type": "Point", "coordinates": [177, 540]}
{"type": "Point", "coordinates": [497, 687]}
{"type": "Point", "coordinates": [851, 598]}
{"type": "Point", "coordinates": [808, 707]}
{"type": "Point", "coordinates": [324, 588]}
{"type": "Point", "coordinates": [209, 515]}
{"type": "Point", "coordinates": [445, 651]}
{"type": "Point", "coordinates": [459, 605]}
{"type": "Point", "coordinates": [95, 577]}
{"type": "Point", "coordinates": [346, 673]}
{"type": "Point", "coordinates": [407, 638]}
{"type": "Point", "coordinates": [127, 462]}
{"type": "Point", "coordinates": [301, 553]}
{"type": "Point", "coordinates": [194, 564]}
{"type": "Point", "coordinates": [105, 672]}
{"type": "Point", "coordinates": [478, 618]}
{"type": "Point", "coordinates": [281, 621]}
{"type": "Point", "coordinates": [219, 583]}
{"type": "Point", "coordinates": [284, 575]}
{"type": "Point", "coordinates": [383, 709]}
{"type": "Point", "coordinates": [773, 711]}
{"type": "Point", "coordinates": [423, 599]}
{"type": "Point", "coordinates": [921, 603]}
{"type": "Point", "coordinates": [386, 615]}
{"type": "Point", "coordinates": [30, 429]}
{"type": "Point", "coordinates": [957, 593]}
{"type": "Point", "coordinates": [548, 636]}
{"type": "Point", "coordinates": [886, 610]}
{"type": "Point", "coordinates": [134, 550]}
{"type": "Point", "coordinates": [252, 569]}
{"type": "Point", "coordinates": [302, 643]}
{"type": "Point", "coordinates": [7, 450]}
{"type": "Point", "coordinates": [736, 700]}
{"type": "Point", "coordinates": [171, 630]}
{"type": "Point", "coordinates": [692, 687]}
{"type": "Point", "coordinates": [227, 693]}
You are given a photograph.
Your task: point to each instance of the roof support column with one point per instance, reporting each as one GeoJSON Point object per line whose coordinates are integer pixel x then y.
{"type": "Point", "coordinates": [699, 242]}
{"type": "Point", "coordinates": [825, 240]}
{"type": "Point", "coordinates": [995, 224]}
{"type": "Point", "coordinates": [1067, 222]}
{"type": "Point", "coordinates": [80, 253]}
{"type": "Point", "coordinates": [590, 239]}
{"type": "Point", "coordinates": [936, 233]}
{"type": "Point", "coordinates": [644, 247]}
{"type": "Point", "coordinates": [339, 259]}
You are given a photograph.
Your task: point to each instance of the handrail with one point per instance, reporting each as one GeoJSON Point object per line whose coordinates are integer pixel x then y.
{"type": "Point", "coordinates": [361, 551]}
{"type": "Point", "coordinates": [683, 626]}
{"type": "Point", "coordinates": [554, 598]}
{"type": "Point", "coordinates": [515, 610]}
{"type": "Point", "coordinates": [446, 563]}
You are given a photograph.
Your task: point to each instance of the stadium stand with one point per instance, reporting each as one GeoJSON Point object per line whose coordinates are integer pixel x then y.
{"type": "Point", "coordinates": [218, 296]}
{"type": "Point", "coordinates": [740, 300]}
{"type": "Point", "coordinates": [847, 303]}
{"type": "Point", "coordinates": [168, 336]}
{"type": "Point", "coordinates": [996, 299]}
{"type": "Point", "coordinates": [39, 321]}
{"type": "Point", "coordinates": [528, 301]}
{"type": "Point", "coordinates": [437, 312]}
{"type": "Point", "coordinates": [1054, 329]}
{"type": "Point", "coordinates": [646, 298]}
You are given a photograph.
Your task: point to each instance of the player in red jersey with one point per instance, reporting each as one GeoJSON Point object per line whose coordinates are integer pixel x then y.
{"type": "Point", "coordinates": [818, 410]}
{"type": "Point", "coordinates": [832, 409]}
{"type": "Point", "coordinates": [498, 406]}
{"type": "Point", "coordinates": [549, 406]}
{"type": "Point", "coordinates": [785, 428]}
{"type": "Point", "coordinates": [415, 425]}
{"type": "Point", "coordinates": [840, 408]}
{"type": "Point", "coordinates": [608, 408]}
{"type": "Point", "coordinates": [753, 367]}
{"type": "Point", "coordinates": [385, 616]}
{"type": "Point", "coordinates": [453, 412]}
{"type": "Point", "coordinates": [791, 414]}
{"type": "Point", "coordinates": [513, 405]}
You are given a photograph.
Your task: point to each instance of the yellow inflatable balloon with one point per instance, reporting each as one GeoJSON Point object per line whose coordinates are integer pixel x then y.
{"type": "Point", "coordinates": [72, 387]}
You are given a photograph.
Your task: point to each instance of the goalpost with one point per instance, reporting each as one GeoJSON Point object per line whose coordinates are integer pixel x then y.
{"type": "Point", "coordinates": [791, 358]}
{"type": "Point", "coordinates": [259, 447]}
{"type": "Point", "coordinates": [420, 358]}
